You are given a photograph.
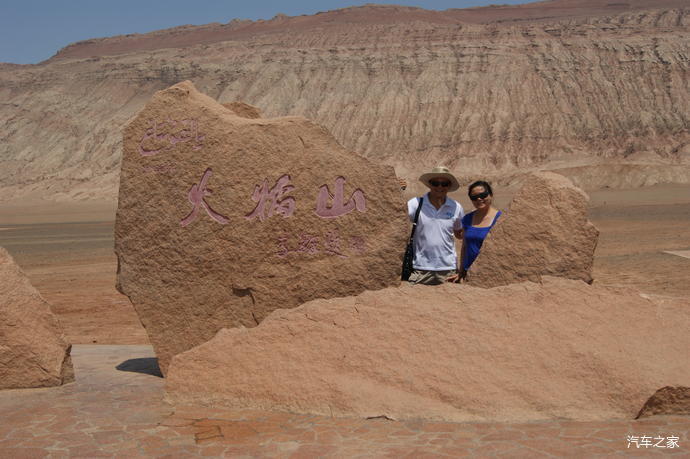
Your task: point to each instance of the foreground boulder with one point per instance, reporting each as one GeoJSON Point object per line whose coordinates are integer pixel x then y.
{"type": "Point", "coordinates": [33, 350]}
{"type": "Point", "coordinates": [222, 218]}
{"type": "Point", "coordinates": [545, 231]}
{"type": "Point", "coordinates": [561, 349]}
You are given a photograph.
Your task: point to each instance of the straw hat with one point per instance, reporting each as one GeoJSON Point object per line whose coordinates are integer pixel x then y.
{"type": "Point", "coordinates": [440, 172]}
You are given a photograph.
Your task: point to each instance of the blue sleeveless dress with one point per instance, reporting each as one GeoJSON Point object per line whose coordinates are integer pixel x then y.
{"type": "Point", "coordinates": [473, 238]}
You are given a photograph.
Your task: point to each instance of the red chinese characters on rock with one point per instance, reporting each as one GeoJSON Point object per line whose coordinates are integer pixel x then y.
{"type": "Point", "coordinates": [271, 201]}
{"type": "Point", "coordinates": [196, 196]}
{"type": "Point", "coordinates": [358, 245]}
{"type": "Point", "coordinates": [339, 207]}
{"type": "Point", "coordinates": [274, 200]}
{"type": "Point", "coordinates": [163, 135]}
{"type": "Point", "coordinates": [331, 244]}
{"type": "Point", "coordinates": [308, 243]}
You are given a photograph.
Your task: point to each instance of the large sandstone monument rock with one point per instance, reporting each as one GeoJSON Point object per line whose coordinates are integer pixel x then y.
{"type": "Point", "coordinates": [545, 231]}
{"type": "Point", "coordinates": [558, 350]}
{"type": "Point", "coordinates": [222, 219]}
{"type": "Point", "coordinates": [582, 86]}
{"type": "Point", "coordinates": [33, 350]}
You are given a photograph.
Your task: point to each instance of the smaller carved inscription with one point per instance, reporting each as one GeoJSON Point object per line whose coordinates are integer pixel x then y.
{"type": "Point", "coordinates": [308, 243]}
{"type": "Point", "coordinates": [163, 135]}
{"type": "Point", "coordinates": [358, 245]}
{"type": "Point", "coordinates": [329, 243]}
{"type": "Point", "coordinates": [165, 168]}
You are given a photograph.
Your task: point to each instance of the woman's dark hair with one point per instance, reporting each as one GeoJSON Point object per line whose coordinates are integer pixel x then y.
{"type": "Point", "coordinates": [486, 186]}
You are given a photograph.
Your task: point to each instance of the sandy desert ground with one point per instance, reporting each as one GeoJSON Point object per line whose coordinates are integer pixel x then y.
{"type": "Point", "coordinates": [67, 251]}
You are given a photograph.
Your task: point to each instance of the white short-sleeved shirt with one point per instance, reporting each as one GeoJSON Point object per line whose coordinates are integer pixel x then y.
{"type": "Point", "coordinates": [434, 242]}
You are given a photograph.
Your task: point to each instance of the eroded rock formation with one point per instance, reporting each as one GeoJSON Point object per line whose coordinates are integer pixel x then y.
{"type": "Point", "coordinates": [222, 219]}
{"type": "Point", "coordinates": [557, 84]}
{"type": "Point", "coordinates": [33, 350]}
{"type": "Point", "coordinates": [667, 400]}
{"type": "Point", "coordinates": [558, 350]}
{"type": "Point", "coordinates": [545, 231]}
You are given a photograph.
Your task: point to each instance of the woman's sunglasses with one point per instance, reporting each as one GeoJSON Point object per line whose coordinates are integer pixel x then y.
{"type": "Point", "coordinates": [482, 195]}
{"type": "Point", "coordinates": [437, 183]}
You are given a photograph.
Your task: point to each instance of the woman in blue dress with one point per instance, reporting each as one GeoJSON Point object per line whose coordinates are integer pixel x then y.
{"type": "Point", "coordinates": [477, 224]}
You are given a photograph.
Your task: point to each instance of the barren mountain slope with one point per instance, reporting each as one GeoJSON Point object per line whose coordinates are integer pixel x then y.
{"type": "Point", "coordinates": [495, 91]}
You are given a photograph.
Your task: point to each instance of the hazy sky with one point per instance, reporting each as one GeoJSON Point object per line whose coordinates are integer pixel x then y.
{"type": "Point", "coordinates": [34, 30]}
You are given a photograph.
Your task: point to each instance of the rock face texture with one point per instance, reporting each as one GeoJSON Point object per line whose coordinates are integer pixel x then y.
{"type": "Point", "coordinates": [33, 351]}
{"type": "Point", "coordinates": [544, 232]}
{"type": "Point", "coordinates": [243, 110]}
{"type": "Point", "coordinates": [556, 84]}
{"type": "Point", "coordinates": [561, 349]}
{"type": "Point", "coordinates": [222, 219]}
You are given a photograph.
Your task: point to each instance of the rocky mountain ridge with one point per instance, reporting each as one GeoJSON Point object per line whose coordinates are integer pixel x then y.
{"type": "Point", "coordinates": [600, 88]}
{"type": "Point", "coordinates": [370, 14]}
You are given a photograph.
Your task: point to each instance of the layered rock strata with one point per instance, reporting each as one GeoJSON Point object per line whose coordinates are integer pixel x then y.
{"type": "Point", "coordinates": [33, 350]}
{"type": "Point", "coordinates": [562, 349]}
{"type": "Point", "coordinates": [557, 84]}
{"type": "Point", "coordinates": [545, 231]}
{"type": "Point", "coordinates": [222, 219]}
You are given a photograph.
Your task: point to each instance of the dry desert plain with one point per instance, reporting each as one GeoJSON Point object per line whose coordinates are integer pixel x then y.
{"type": "Point", "coordinates": [66, 249]}
{"type": "Point", "coordinates": [116, 409]}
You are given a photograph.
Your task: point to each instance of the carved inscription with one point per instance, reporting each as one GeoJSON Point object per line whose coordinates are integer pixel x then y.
{"type": "Point", "coordinates": [329, 243]}
{"type": "Point", "coordinates": [165, 168]}
{"type": "Point", "coordinates": [358, 245]}
{"type": "Point", "coordinates": [163, 135]}
{"type": "Point", "coordinates": [339, 206]}
{"type": "Point", "coordinates": [196, 196]}
{"type": "Point", "coordinates": [308, 243]}
{"type": "Point", "coordinates": [271, 201]}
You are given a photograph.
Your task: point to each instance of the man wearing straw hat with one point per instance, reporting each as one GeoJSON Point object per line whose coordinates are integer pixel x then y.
{"type": "Point", "coordinates": [435, 258]}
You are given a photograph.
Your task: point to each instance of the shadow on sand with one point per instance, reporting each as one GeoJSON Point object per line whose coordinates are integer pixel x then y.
{"type": "Point", "coordinates": [148, 365]}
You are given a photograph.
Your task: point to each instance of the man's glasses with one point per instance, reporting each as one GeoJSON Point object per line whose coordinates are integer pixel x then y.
{"type": "Point", "coordinates": [437, 183]}
{"type": "Point", "coordinates": [482, 195]}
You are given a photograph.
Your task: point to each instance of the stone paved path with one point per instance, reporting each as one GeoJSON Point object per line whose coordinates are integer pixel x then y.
{"type": "Point", "coordinates": [111, 412]}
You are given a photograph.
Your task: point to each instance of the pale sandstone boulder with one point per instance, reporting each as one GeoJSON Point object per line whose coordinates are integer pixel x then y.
{"type": "Point", "coordinates": [545, 231]}
{"type": "Point", "coordinates": [33, 350]}
{"type": "Point", "coordinates": [222, 219]}
{"type": "Point", "coordinates": [564, 349]}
